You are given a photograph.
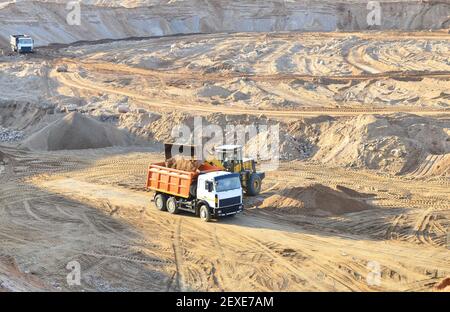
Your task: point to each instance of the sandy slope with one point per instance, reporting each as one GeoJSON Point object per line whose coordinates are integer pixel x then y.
{"type": "Point", "coordinates": [46, 21]}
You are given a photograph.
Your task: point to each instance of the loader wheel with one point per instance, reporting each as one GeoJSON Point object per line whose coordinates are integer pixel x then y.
{"type": "Point", "coordinates": [254, 185]}
{"type": "Point", "coordinates": [205, 215]}
{"type": "Point", "coordinates": [160, 202]}
{"type": "Point", "coordinates": [172, 205]}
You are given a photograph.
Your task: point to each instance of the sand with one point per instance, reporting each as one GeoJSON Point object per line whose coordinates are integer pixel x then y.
{"type": "Point", "coordinates": [101, 21]}
{"type": "Point", "coordinates": [396, 144]}
{"type": "Point", "coordinates": [97, 198]}
{"type": "Point", "coordinates": [315, 200]}
{"type": "Point", "coordinates": [183, 164]}
{"type": "Point", "coordinates": [76, 131]}
{"type": "Point", "coordinates": [364, 174]}
{"type": "Point", "coordinates": [256, 82]}
{"type": "Point", "coordinates": [16, 280]}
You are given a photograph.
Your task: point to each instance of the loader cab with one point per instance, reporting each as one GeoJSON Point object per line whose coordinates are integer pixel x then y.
{"type": "Point", "coordinates": [231, 157]}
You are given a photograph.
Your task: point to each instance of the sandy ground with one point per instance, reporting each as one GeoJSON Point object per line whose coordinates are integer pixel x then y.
{"type": "Point", "coordinates": [91, 207]}
{"type": "Point", "coordinates": [366, 99]}
{"type": "Point", "coordinates": [292, 71]}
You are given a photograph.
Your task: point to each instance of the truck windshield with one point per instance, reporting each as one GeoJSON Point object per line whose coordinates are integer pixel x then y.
{"type": "Point", "coordinates": [228, 184]}
{"type": "Point", "coordinates": [25, 41]}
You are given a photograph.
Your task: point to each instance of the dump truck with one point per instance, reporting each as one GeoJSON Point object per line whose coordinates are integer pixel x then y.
{"type": "Point", "coordinates": [22, 43]}
{"type": "Point", "coordinates": [208, 192]}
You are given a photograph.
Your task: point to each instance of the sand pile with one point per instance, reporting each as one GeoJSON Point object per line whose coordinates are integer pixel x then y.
{"type": "Point", "coordinates": [396, 143]}
{"type": "Point", "coordinates": [296, 140]}
{"type": "Point", "coordinates": [183, 164]}
{"type": "Point", "coordinates": [77, 131]}
{"type": "Point", "coordinates": [316, 200]}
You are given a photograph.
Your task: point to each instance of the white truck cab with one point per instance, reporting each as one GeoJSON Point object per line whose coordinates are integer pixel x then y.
{"type": "Point", "coordinates": [221, 191]}
{"type": "Point", "coordinates": [22, 43]}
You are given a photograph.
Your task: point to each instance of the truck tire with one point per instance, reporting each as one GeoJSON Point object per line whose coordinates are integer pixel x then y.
{"type": "Point", "coordinates": [254, 185]}
{"type": "Point", "coordinates": [204, 213]}
{"type": "Point", "coordinates": [161, 202]}
{"type": "Point", "coordinates": [172, 205]}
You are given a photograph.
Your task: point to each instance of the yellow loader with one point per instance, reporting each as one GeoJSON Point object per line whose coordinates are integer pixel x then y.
{"type": "Point", "coordinates": [230, 157]}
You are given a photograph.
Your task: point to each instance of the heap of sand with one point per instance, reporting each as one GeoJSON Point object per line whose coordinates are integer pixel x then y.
{"type": "Point", "coordinates": [76, 131]}
{"type": "Point", "coordinates": [396, 143]}
{"type": "Point", "coordinates": [316, 200]}
{"type": "Point", "coordinates": [183, 164]}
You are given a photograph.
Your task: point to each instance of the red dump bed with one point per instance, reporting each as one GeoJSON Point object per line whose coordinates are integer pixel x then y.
{"type": "Point", "coordinates": [172, 181]}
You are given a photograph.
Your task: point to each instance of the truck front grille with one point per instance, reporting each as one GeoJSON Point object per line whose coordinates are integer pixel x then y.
{"type": "Point", "coordinates": [230, 201]}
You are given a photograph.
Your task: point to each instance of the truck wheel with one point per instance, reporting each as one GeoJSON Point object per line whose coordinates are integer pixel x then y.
{"type": "Point", "coordinates": [254, 185]}
{"type": "Point", "coordinates": [205, 215]}
{"type": "Point", "coordinates": [160, 202]}
{"type": "Point", "coordinates": [172, 205]}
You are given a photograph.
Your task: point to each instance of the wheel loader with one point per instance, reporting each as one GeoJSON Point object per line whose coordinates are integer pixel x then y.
{"type": "Point", "coordinates": [230, 158]}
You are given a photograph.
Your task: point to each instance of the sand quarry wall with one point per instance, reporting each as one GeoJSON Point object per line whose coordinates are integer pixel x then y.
{"type": "Point", "coordinates": [46, 21]}
{"type": "Point", "coordinates": [396, 143]}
